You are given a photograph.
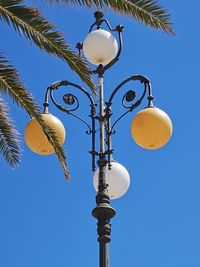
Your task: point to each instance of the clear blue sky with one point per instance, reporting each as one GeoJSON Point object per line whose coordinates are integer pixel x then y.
{"type": "Point", "coordinates": [46, 222]}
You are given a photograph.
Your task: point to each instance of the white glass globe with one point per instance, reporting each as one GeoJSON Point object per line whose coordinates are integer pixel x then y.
{"type": "Point", "coordinates": [100, 47]}
{"type": "Point", "coordinates": [117, 178]}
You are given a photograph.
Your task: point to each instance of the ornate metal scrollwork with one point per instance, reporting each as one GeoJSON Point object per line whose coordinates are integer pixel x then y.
{"type": "Point", "coordinates": [69, 99]}
{"type": "Point", "coordinates": [128, 97]}
{"type": "Point", "coordinates": [72, 104]}
{"type": "Point", "coordinates": [129, 102]}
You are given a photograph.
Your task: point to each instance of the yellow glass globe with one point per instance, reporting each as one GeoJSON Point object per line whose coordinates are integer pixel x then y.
{"type": "Point", "coordinates": [36, 139]}
{"type": "Point", "coordinates": [151, 128]}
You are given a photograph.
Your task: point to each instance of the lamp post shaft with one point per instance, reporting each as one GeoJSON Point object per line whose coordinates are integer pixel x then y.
{"type": "Point", "coordinates": [104, 257]}
{"type": "Point", "coordinates": [103, 212]}
{"type": "Point", "coordinates": [101, 115]}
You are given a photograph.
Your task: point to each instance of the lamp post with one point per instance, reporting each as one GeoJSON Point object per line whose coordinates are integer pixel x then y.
{"type": "Point", "coordinates": [151, 128]}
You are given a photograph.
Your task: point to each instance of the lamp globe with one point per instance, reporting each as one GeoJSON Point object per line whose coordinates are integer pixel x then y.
{"type": "Point", "coordinates": [151, 128]}
{"type": "Point", "coordinates": [117, 178]}
{"type": "Point", "coordinates": [36, 139]}
{"type": "Point", "coordinates": [100, 47]}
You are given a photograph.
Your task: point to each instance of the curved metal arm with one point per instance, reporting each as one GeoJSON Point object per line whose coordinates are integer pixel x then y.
{"type": "Point", "coordinates": [99, 20]}
{"type": "Point", "coordinates": [57, 84]}
{"type": "Point", "coordinates": [140, 78]}
{"type": "Point", "coordinates": [69, 112]}
{"type": "Point", "coordinates": [128, 97]}
{"type": "Point", "coordinates": [119, 29]}
{"type": "Point", "coordinates": [70, 100]}
{"type": "Point", "coordinates": [130, 108]}
{"type": "Point", "coordinates": [101, 69]}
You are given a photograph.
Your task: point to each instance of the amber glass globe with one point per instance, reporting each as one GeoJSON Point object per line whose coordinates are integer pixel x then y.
{"type": "Point", "coordinates": [36, 139]}
{"type": "Point", "coordinates": [151, 128]}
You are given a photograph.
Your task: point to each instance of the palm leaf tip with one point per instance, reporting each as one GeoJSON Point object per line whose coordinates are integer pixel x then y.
{"type": "Point", "coordinates": [9, 137]}
{"type": "Point", "coordinates": [51, 135]}
{"type": "Point", "coordinates": [149, 12]}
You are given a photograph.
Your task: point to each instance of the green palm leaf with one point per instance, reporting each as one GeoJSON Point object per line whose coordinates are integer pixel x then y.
{"type": "Point", "coordinates": [30, 23]}
{"type": "Point", "coordinates": [10, 83]}
{"type": "Point", "coordinates": [146, 11]}
{"type": "Point", "coordinates": [9, 137]}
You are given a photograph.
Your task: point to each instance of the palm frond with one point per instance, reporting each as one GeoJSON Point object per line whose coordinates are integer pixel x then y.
{"type": "Point", "coordinates": [149, 12]}
{"type": "Point", "coordinates": [10, 83]}
{"type": "Point", "coordinates": [9, 137]}
{"type": "Point", "coordinates": [146, 11]}
{"type": "Point", "coordinates": [30, 23]}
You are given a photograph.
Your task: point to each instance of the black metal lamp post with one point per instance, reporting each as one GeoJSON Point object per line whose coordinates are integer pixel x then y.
{"type": "Point", "coordinates": [151, 128]}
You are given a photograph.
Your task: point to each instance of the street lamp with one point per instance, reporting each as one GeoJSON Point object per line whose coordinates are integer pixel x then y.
{"type": "Point", "coordinates": [151, 128]}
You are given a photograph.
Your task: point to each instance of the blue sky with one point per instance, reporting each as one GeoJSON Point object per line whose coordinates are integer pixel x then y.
{"type": "Point", "coordinates": [46, 222]}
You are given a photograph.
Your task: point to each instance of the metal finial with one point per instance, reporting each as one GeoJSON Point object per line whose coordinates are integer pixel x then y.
{"type": "Point", "coordinates": [98, 15]}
